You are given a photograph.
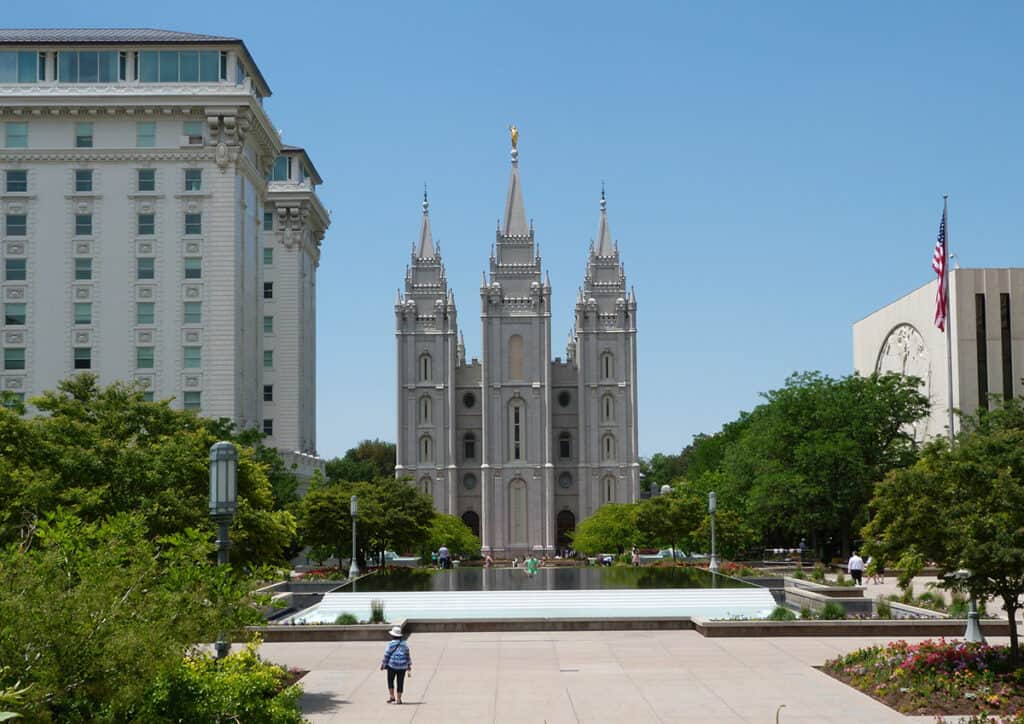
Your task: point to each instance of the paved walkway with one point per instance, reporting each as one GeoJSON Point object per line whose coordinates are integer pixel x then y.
{"type": "Point", "coordinates": [611, 676]}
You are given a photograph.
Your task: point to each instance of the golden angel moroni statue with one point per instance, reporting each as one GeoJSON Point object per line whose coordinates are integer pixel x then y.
{"type": "Point", "coordinates": [514, 132]}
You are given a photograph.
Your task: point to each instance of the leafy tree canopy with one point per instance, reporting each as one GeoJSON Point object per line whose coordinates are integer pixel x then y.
{"type": "Point", "coordinates": [612, 528]}
{"type": "Point", "coordinates": [669, 520]}
{"type": "Point", "coordinates": [449, 530]}
{"type": "Point", "coordinates": [369, 460]}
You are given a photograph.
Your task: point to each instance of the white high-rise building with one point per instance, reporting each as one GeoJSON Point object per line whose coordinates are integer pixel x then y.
{"type": "Point", "coordinates": [155, 229]}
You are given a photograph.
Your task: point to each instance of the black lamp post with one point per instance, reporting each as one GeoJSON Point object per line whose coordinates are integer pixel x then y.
{"type": "Point", "coordinates": [353, 568]}
{"type": "Point", "coordinates": [223, 504]}
{"type": "Point", "coordinates": [712, 506]}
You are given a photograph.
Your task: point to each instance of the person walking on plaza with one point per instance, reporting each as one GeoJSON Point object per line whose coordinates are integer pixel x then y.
{"type": "Point", "coordinates": [397, 662]}
{"type": "Point", "coordinates": [444, 557]}
{"type": "Point", "coordinates": [532, 564]}
{"type": "Point", "coordinates": [635, 557]}
{"type": "Point", "coordinates": [855, 567]}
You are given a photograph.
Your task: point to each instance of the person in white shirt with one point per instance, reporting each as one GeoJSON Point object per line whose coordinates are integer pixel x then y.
{"type": "Point", "coordinates": [855, 566]}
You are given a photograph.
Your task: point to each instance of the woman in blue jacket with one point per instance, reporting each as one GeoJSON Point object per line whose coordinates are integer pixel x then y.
{"type": "Point", "coordinates": [397, 662]}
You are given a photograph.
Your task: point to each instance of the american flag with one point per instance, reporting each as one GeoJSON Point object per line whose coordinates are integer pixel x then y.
{"type": "Point", "coordinates": [939, 259]}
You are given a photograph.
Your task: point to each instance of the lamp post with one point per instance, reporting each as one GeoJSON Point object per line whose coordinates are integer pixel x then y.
{"type": "Point", "coordinates": [712, 505]}
{"type": "Point", "coordinates": [353, 568]}
{"type": "Point", "coordinates": [973, 631]}
{"type": "Point", "coordinates": [223, 504]}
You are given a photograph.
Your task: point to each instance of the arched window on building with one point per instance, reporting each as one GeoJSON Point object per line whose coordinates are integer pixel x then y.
{"type": "Point", "coordinates": [515, 357]}
{"type": "Point", "coordinates": [564, 445]}
{"type": "Point", "coordinates": [471, 519]}
{"type": "Point", "coordinates": [426, 449]}
{"type": "Point", "coordinates": [608, 489]}
{"type": "Point", "coordinates": [607, 409]}
{"type": "Point", "coordinates": [607, 366]}
{"type": "Point", "coordinates": [565, 523]}
{"type": "Point", "coordinates": [425, 410]}
{"type": "Point", "coordinates": [517, 530]}
{"type": "Point", "coordinates": [608, 447]}
{"type": "Point", "coordinates": [424, 367]}
{"type": "Point", "coordinates": [517, 430]}
{"type": "Point", "coordinates": [469, 446]}
{"type": "Point", "coordinates": [426, 486]}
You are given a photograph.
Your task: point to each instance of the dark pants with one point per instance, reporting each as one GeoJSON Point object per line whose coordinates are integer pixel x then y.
{"type": "Point", "coordinates": [855, 574]}
{"type": "Point", "coordinates": [396, 674]}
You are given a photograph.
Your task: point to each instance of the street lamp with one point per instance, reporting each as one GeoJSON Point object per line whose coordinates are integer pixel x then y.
{"type": "Point", "coordinates": [353, 568]}
{"type": "Point", "coordinates": [973, 631]}
{"type": "Point", "coordinates": [712, 504]}
{"type": "Point", "coordinates": [223, 504]}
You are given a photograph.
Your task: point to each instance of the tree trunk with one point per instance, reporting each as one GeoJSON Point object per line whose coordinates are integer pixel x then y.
{"type": "Point", "coordinates": [1010, 606]}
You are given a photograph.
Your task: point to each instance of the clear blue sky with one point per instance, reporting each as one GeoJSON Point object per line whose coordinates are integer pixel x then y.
{"type": "Point", "coordinates": [774, 171]}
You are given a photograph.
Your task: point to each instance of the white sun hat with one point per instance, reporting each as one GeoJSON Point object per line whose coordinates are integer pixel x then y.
{"type": "Point", "coordinates": [396, 631]}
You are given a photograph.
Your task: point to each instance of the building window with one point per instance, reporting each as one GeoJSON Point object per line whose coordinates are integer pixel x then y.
{"type": "Point", "coordinates": [147, 396]}
{"type": "Point", "coordinates": [83, 224]}
{"type": "Point", "coordinates": [193, 224]}
{"type": "Point", "coordinates": [21, 66]}
{"type": "Point", "coordinates": [268, 220]}
{"type": "Point", "coordinates": [14, 313]}
{"type": "Point", "coordinates": [608, 489]}
{"type": "Point", "coordinates": [268, 393]}
{"type": "Point", "coordinates": [145, 268]}
{"type": "Point", "coordinates": [515, 357]}
{"type": "Point", "coordinates": [83, 269]}
{"type": "Point", "coordinates": [83, 313]}
{"type": "Point", "coordinates": [981, 342]}
{"type": "Point", "coordinates": [268, 290]}
{"type": "Point", "coordinates": [145, 134]}
{"type": "Point", "coordinates": [15, 270]}
{"type": "Point", "coordinates": [280, 170]}
{"type": "Point", "coordinates": [147, 179]}
{"type": "Point", "coordinates": [83, 135]}
{"type": "Point", "coordinates": [564, 445]}
{"type": "Point", "coordinates": [193, 179]}
{"type": "Point", "coordinates": [87, 66]}
{"type": "Point", "coordinates": [426, 449]}
{"type": "Point", "coordinates": [268, 359]}
{"type": "Point", "coordinates": [469, 481]}
{"type": "Point", "coordinates": [1007, 345]}
{"type": "Point", "coordinates": [268, 324]}
{"type": "Point", "coordinates": [193, 267]}
{"type": "Point", "coordinates": [144, 358]}
{"type": "Point", "coordinates": [268, 426]}
{"type": "Point", "coordinates": [179, 66]}
{"type": "Point", "coordinates": [12, 400]}
{"type": "Point", "coordinates": [607, 408]}
{"type": "Point", "coordinates": [193, 313]}
{"type": "Point", "coordinates": [83, 358]}
{"type": "Point", "coordinates": [268, 255]}
{"type": "Point", "coordinates": [146, 225]}
{"type": "Point", "coordinates": [145, 312]}
{"type": "Point", "coordinates": [424, 367]}
{"type": "Point", "coordinates": [608, 447]}
{"type": "Point", "coordinates": [83, 180]}
{"type": "Point", "coordinates": [17, 181]}
{"type": "Point", "coordinates": [424, 410]}
{"type": "Point", "coordinates": [518, 533]}
{"type": "Point", "coordinates": [469, 446]}
{"type": "Point", "coordinates": [193, 132]}
{"type": "Point", "coordinates": [517, 435]}
{"type": "Point", "coordinates": [468, 400]}
{"type": "Point", "coordinates": [193, 400]}
{"type": "Point", "coordinates": [14, 358]}
{"type": "Point", "coordinates": [192, 358]}
{"type": "Point", "coordinates": [16, 134]}
{"type": "Point", "coordinates": [607, 366]}
{"type": "Point", "coordinates": [17, 225]}
{"type": "Point", "coordinates": [239, 73]}
{"type": "Point", "coordinates": [564, 398]}
{"type": "Point", "coordinates": [426, 487]}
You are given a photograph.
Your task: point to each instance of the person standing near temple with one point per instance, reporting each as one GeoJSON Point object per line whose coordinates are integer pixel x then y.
{"type": "Point", "coordinates": [397, 662]}
{"type": "Point", "coordinates": [855, 567]}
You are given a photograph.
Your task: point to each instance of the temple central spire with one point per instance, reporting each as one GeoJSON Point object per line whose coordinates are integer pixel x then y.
{"type": "Point", "coordinates": [425, 249]}
{"type": "Point", "coordinates": [515, 212]}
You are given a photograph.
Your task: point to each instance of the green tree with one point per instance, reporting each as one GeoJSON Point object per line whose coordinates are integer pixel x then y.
{"type": "Point", "coordinates": [325, 520]}
{"type": "Point", "coordinates": [962, 507]}
{"type": "Point", "coordinates": [369, 460]}
{"type": "Point", "coordinates": [449, 530]}
{"type": "Point", "coordinates": [732, 535]}
{"type": "Point", "coordinates": [393, 515]}
{"type": "Point", "coordinates": [669, 520]}
{"type": "Point", "coordinates": [612, 527]}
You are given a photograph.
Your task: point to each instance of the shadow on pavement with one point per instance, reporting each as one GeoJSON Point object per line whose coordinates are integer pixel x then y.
{"type": "Point", "coordinates": [316, 703]}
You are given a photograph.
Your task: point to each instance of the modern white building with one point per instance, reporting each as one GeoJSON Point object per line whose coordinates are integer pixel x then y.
{"type": "Point", "coordinates": [518, 445]}
{"type": "Point", "coordinates": [155, 229]}
{"type": "Point", "coordinates": [986, 310]}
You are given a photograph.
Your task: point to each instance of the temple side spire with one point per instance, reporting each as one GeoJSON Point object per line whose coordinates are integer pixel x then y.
{"type": "Point", "coordinates": [604, 233]}
{"type": "Point", "coordinates": [515, 212]}
{"type": "Point", "coordinates": [425, 249]}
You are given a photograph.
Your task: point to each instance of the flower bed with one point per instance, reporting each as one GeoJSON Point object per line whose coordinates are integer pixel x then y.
{"type": "Point", "coordinates": [937, 677]}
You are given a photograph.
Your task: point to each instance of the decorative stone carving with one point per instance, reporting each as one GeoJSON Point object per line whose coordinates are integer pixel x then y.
{"type": "Point", "coordinates": [83, 207]}
{"type": "Point", "coordinates": [146, 381]}
{"type": "Point", "coordinates": [82, 292]}
{"type": "Point", "coordinates": [81, 338]}
{"type": "Point", "coordinates": [904, 352]}
{"type": "Point", "coordinates": [145, 292]}
{"type": "Point", "coordinates": [145, 207]}
{"type": "Point", "coordinates": [192, 292]}
{"type": "Point", "coordinates": [13, 383]}
{"type": "Point", "coordinates": [82, 247]}
{"type": "Point", "coordinates": [145, 248]}
{"type": "Point", "coordinates": [192, 336]}
{"type": "Point", "coordinates": [15, 292]}
{"type": "Point", "coordinates": [16, 248]}
{"type": "Point", "coordinates": [144, 337]}
{"type": "Point", "coordinates": [192, 381]}
{"type": "Point", "coordinates": [192, 207]}
{"type": "Point", "coordinates": [14, 338]}
{"type": "Point", "coordinates": [15, 207]}
{"type": "Point", "coordinates": [192, 247]}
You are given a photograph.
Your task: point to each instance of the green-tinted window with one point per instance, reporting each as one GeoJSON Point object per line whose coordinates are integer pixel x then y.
{"type": "Point", "coordinates": [83, 179]}
{"type": "Point", "coordinates": [145, 134]}
{"type": "Point", "coordinates": [268, 324]}
{"type": "Point", "coordinates": [14, 270]}
{"type": "Point", "coordinates": [145, 268]}
{"type": "Point", "coordinates": [83, 269]}
{"type": "Point", "coordinates": [83, 358]}
{"type": "Point", "coordinates": [193, 357]}
{"type": "Point", "coordinates": [193, 400]}
{"type": "Point", "coordinates": [193, 267]}
{"type": "Point", "coordinates": [17, 181]}
{"type": "Point", "coordinates": [268, 255]}
{"type": "Point", "coordinates": [144, 312]}
{"type": "Point", "coordinates": [268, 290]}
{"type": "Point", "coordinates": [268, 220]}
{"type": "Point", "coordinates": [83, 313]}
{"type": "Point", "coordinates": [19, 66]}
{"type": "Point", "coordinates": [147, 179]}
{"type": "Point", "coordinates": [14, 313]}
{"type": "Point", "coordinates": [144, 358]}
{"type": "Point", "coordinates": [16, 134]}
{"type": "Point", "coordinates": [268, 358]}
{"type": "Point", "coordinates": [83, 224]}
{"type": "Point", "coordinates": [193, 132]}
{"type": "Point", "coordinates": [193, 179]}
{"type": "Point", "coordinates": [268, 393]}
{"type": "Point", "coordinates": [16, 225]}
{"type": "Point", "coordinates": [83, 135]}
{"type": "Point", "coordinates": [87, 66]}
{"type": "Point", "coordinates": [173, 66]}
{"type": "Point", "coordinates": [280, 170]}
{"type": "Point", "coordinates": [147, 396]}
{"type": "Point", "coordinates": [193, 312]}
{"type": "Point", "coordinates": [268, 426]}
{"type": "Point", "coordinates": [146, 224]}
{"type": "Point", "coordinates": [193, 224]}
{"type": "Point", "coordinates": [14, 358]}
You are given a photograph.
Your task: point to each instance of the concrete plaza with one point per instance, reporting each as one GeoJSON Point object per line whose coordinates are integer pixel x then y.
{"type": "Point", "coordinates": [610, 676]}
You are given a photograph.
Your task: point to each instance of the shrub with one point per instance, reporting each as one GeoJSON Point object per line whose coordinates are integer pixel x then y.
{"type": "Point", "coordinates": [346, 619]}
{"type": "Point", "coordinates": [818, 573]}
{"type": "Point", "coordinates": [377, 611]}
{"type": "Point", "coordinates": [799, 575]}
{"type": "Point", "coordinates": [883, 608]}
{"type": "Point", "coordinates": [239, 687]}
{"type": "Point", "coordinates": [833, 611]}
{"type": "Point", "coordinates": [781, 613]}
{"type": "Point", "coordinates": [806, 612]}
{"type": "Point", "coordinates": [958, 607]}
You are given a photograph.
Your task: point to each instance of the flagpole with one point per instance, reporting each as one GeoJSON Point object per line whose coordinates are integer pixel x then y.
{"type": "Point", "coordinates": [949, 316]}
